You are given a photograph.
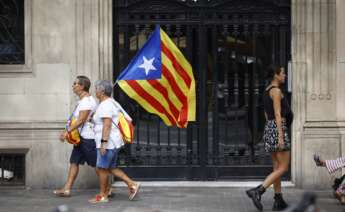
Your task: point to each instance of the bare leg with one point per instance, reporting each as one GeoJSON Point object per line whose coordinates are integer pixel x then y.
{"type": "Point", "coordinates": [283, 159]}
{"type": "Point", "coordinates": [103, 181]}
{"type": "Point", "coordinates": [72, 175]}
{"type": "Point", "coordinates": [108, 185]}
{"type": "Point", "coordinates": [133, 187]}
{"type": "Point", "coordinates": [277, 183]}
{"type": "Point", "coordinates": [123, 176]}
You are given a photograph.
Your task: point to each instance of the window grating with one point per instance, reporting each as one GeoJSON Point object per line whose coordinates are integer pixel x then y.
{"type": "Point", "coordinates": [12, 167]}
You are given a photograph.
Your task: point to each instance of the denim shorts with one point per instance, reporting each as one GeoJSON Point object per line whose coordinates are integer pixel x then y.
{"type": "Point", "coordinates": [108, 160]}
{"type": "Point", "coordinates": [84, 152]}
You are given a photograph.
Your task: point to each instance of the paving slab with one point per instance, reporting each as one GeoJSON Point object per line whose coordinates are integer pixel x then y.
{"type": "Point", "coordinates": [156, 199]}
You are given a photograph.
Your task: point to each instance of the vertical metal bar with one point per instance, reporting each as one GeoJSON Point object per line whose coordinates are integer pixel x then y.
{"type": "Point", "coordinates": [282, 46]}
{"type": "Point", "coordinates": [234, 67]}
{"type": "Point", "coordinates": [203, 116]}
{"type": "Point", "coordinates": [189, 51]}
{"type": "Point", "coordinates": [273, 53]}
{"type": "Point", "coordinates": [2, 169]}
{"type": "Point", "coordinates": [178, 145]}
{"type": "Point", "coordinates": [12, 167]}
{"type": "Point", "coordinates": [148, 139]}
{"type": "Point", "coordinates": [226, 59]}
{"type": "Point", "coordinates": [169, 146]}
{"type": "Point", "coordinates": [159, 147]}
{"type": "Point", "coordinates": [254, 93]}
{"type": "Point", "coordinates": [215, 115]}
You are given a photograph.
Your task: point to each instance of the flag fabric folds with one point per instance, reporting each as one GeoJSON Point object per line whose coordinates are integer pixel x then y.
{"type": "Point", "coordinates": [161, 80]}
{"type": "Point", "coordinates": [126, 128]}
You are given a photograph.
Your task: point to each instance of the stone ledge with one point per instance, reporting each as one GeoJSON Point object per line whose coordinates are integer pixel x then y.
{"type": "Point", "coordinates": [324, 124]}
{"type": "Point", "coordinates": [30, 125]}
{"type": "Point", "coordinates": [14, 150]}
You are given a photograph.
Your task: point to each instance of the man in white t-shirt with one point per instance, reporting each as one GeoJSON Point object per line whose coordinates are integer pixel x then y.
{"type": "Point", "coordinates": [108, 141]}
{"type": "Point", "coordinates": [86, 150]}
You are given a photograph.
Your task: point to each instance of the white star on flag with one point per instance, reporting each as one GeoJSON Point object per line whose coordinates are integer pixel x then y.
{"type": "Point", "coordinates": [147, 65]}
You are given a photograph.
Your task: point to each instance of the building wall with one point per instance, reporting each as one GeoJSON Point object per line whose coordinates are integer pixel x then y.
{"type": "Point", "coordinates": [66, 39]}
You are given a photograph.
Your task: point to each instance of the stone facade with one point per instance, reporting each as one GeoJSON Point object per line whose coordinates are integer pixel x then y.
{"type": "Point", "coordinates": [66, 38]}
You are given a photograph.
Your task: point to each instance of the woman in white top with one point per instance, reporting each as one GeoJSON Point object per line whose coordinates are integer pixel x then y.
{"type": "Point", "coordinates": [86, 150]}
{"type": "Point", "coordinates": [108, 141]}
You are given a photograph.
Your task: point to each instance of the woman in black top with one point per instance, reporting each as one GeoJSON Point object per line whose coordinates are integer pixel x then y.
{"type": "Point", "coordinates": [276, 138]}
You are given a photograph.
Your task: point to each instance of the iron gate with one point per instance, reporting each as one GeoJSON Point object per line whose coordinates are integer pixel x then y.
{"type": "Point", "coordinates": [229, 43]}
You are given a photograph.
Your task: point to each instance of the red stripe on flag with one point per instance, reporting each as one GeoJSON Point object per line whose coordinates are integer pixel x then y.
{"type": "Point", "coordinates": [179, 69]}
{"type": "Point", "coordinates": [158, 86]}
{"type": "Point", "coordinates": [151, 100]}
{"type": "Point", "coordinates": [180, 95]}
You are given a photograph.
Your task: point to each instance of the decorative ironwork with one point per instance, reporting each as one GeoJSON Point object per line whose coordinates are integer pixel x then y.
{"type": "Point", "coordinates": [229, 43]}
{"type": "Point", "coordinates": [12, 32]}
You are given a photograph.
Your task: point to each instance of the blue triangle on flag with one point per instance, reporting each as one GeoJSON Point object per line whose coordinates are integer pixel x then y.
{"type": "Point", "coordinates": [147, 63]}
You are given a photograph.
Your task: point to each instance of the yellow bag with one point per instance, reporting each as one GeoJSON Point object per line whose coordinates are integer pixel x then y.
{"type": "Point", "coordinates": [73, 137]}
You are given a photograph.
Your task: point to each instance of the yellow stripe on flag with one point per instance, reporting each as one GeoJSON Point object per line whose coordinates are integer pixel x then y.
{"type": "Point", "coordinates": [177, 53]}
{"type": "Point", "coordinates": [172, 96]}
{"type": "Point", "coordinates": [143, 102]}
{"type": "Point", "coordinates": [157, 95]}
{"type": "Point", "coordinates": [190, 93]}
{"type": "Point", "coordinates": [167, 63]}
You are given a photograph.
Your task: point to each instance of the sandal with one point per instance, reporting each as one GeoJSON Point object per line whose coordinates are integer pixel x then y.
{"type": "Point", "coordinates": [111, 193]}
{"type": "Point", "coordinates": [98, 199]}
{"type": "Point", "coordinates": [133, 190]}
{"type": "Point", "coordinates": [317, 160]}
{"type": "Point", "coordinates": [62, 193]}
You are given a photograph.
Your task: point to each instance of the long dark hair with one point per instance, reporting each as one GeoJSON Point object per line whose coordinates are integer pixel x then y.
{"type": "Point", "coordinates": [272, 70]}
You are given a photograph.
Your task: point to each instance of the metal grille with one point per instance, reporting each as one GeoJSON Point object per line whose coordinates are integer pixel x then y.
{"type": "Point", "coordinates": [229, 44]}
{"type": "Point", "coordinates": [12, 168]}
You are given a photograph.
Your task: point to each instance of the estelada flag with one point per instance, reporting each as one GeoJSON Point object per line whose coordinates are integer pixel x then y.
{"type": "Point", "coordinates": [161, 80]}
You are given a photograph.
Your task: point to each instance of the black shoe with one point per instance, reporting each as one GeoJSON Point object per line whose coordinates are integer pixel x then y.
{"type": "Point", "coordinates": [255, 195]}
{"type": "Point", "coordinates": [279, 203]}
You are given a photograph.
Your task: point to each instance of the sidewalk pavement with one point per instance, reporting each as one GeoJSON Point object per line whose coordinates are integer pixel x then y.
{"type": "Point", "coordinates": [156, 199]}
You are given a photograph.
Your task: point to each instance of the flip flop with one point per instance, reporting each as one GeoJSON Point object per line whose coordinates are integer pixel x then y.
{"type": "Point", "coordinates": [62, 193]}
{"type": "Point", "coordinates": [133, 191]}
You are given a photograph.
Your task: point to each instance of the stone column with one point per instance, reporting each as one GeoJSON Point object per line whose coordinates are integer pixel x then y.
{"type": "Point", "coordinates": [94, 45]}
{"type": "Point", "coordinates": [316, 126]}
